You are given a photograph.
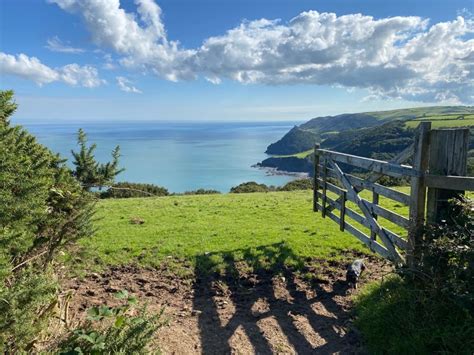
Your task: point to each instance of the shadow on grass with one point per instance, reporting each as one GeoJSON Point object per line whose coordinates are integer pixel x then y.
{"type": "Point", "coordinates": [226, 300]}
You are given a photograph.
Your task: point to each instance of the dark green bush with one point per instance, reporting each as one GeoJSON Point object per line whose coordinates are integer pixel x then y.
{"type": "Point", "coordinates": [42, 208]}
{"type": "Point", "coordinates": [397, 317]}
{"type": "Point", "coordinates": [300, 184]}
{"type": "Point", "coordinates": [202, 192]}
{"type": "Point", "coordinates": [132, 189]}
{"type": "Point", "coordinates": [430, 309]}
{"type": "Point", "coordinates": [248, 187]}
{"type": "Point", "coordinates": [124, 329]}
{"type": "Point", "coordinates": [447, 263]}
{"type": "Point", "coordinates": [89, 172]}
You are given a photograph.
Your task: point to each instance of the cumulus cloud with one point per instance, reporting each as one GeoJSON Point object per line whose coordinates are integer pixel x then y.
{"type": "Point", "coordinates": [126, 85]}
{"type": "Point", "coordinates": [142, 45]}
{"type": "Point", "coordinates": [396, 57]}
{"type": "Point", "coordinates": [393, 57]}
{"type": "Point", "coordinates": [31, 68]}
{"type": "Point", "coordinates": [56, 45]}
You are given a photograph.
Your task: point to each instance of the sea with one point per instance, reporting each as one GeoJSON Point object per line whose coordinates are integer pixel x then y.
{"type": "Point", "coordinates": [181, 156]}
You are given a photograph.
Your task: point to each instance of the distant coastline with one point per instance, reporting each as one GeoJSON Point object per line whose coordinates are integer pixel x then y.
{"type": "Point", "coordinates": [270, 171]}
{"type": "Point", "coordinates": [180, 156]}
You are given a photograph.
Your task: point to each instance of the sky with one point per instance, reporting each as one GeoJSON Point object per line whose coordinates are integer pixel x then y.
{"type": "Point", "coordinates": [233, 60]}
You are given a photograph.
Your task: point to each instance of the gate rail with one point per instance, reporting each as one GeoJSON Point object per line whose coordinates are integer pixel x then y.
{"type": "Point", "coordinates": [439, 164]}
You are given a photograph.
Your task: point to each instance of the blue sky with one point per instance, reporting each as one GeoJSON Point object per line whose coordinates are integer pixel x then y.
{"type": "Point", "coordinates": [81, 60]}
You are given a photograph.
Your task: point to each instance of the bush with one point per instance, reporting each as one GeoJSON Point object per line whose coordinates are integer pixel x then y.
{"type": "Point", "coordinates": [89, 172]}
{"type": "Point", "coordinates": [202, 192]}
{"type": "Point", "coordinates": [447, 263]}
{"type": "Point", "coordinates": [397, 317]}
{"type": "Point", "coordinates": [42, 209]}
{"type": "Point", "coordinates": [248, 187]}
{"type": "Point", "coordinates": [300, 184]}
{"type": "Point", "coordinates": [125, 329]}
{"type": "Point", "coordinates": [131, 189]}
{"type": "Point", "coordinates": [429, 310]}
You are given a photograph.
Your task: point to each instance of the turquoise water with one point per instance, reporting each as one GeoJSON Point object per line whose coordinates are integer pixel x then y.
{"type": "Point", "coordinates": [178, 156]}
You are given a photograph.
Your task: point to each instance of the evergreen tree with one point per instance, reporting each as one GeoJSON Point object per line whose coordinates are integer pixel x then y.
{"type": "Point", "coordinates": [88, 171]}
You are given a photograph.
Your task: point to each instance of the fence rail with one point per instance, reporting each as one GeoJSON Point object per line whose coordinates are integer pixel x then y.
{"type": "Point", "coordinates": [330, 180]}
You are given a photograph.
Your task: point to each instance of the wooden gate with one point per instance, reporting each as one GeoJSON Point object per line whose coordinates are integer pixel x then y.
{"type": "Point", "coordinates": [438, 170]}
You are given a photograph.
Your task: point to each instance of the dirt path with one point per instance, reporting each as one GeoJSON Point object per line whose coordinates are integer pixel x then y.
{"type": "Point", "coordinates": [238, 312]}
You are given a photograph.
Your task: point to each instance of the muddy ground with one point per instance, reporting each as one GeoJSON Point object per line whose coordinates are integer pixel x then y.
{"type": "Point", "coordinates": [237, 312]}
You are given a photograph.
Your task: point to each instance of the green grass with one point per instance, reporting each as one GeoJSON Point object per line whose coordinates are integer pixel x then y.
{"type": "Point", "coordinates": [420, 111]}
{"type": "Point", "coordinates": [300, 155]}
{"type": "Point", "coordinates": [441, 121]}
{"type": "Point", "coordinates": [186, 227]}
{"type": "Point", "coordinates": [397, 317]}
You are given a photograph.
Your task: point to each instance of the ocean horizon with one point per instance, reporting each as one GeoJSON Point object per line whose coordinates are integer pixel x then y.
{"type": "Point", "coordinates": [180, 156]}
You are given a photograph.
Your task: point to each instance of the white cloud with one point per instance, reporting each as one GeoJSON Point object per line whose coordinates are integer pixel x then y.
{"type": "Point", "coordinates": [126, 85]}
{"type": "Point", "coordinates": [397, 57]}
{"type": "Point", "coordinates": [393, 57]}
{"type": "Point", "coordinates": [56, 45]}
{"type": "Point", "coordinates": [32, 69]}
{"type": "Point", "coordinates": [141, 46]}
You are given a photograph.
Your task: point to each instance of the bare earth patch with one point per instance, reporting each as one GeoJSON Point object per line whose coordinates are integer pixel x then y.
{"type": "Point", "coordinates": [262, 312]}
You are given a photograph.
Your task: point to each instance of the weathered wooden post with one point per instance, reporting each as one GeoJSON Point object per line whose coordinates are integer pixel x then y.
{"type": "Point", "coordinates": [315, 178]}
{"type": "Point", "coordinates": [375, 201]}
{"type": "Point", "coordinates": [448, 156]}
{"type": "Point", "coordinates": [418, 192]}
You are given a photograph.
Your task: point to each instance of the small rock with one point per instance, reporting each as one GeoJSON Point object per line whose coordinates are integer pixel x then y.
{"type": "Point", "coordinates": [137, 220]}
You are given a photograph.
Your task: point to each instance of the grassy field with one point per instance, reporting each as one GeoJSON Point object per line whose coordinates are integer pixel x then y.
{"type": "Point", "coordinates": [300, 155]}
{"type": "Point", "coordinates": [440, 121]}
{"type": "Point", "coordinates": [185, 227]}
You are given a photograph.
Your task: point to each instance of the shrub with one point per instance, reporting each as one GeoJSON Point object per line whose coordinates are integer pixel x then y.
{"type": "Point", "coordinates": [248, 187]}
{"type": "Point", "coordinates": [447, 263]}
{"type": "Point", "coordinates": [42, 209]}
{"type": "Point", "coordinates": [300, 184]}
{"type": "Point", "coordinates": [125, 329]}
{"type": "Point", "coordinates": [202, 192]}
{"type": "Point", "coordinates": [429, 310]}
{"type": "Point", "coordinates": [88, 171]}
{"type": "Point", "coordinates": [131, 189]}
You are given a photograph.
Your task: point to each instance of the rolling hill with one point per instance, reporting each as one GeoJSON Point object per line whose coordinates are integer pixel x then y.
{"type": "Point", "coordinates": [379, 135]}
{"type": "Point", "coordinates": [303, 137]}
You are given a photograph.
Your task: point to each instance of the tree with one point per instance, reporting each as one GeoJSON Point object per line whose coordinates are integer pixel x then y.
{"type": "Point", "coordinates": [88, 171]}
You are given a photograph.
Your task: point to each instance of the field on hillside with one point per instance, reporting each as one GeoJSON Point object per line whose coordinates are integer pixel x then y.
{"type": "Point", "coordinates": [185, 227]}
{"type": "Point", "coordinates": [442, 121]}
{"type": "Point", "coordinates": [235, 273]}
{"type": "Point", "coordinates": [297, 155]}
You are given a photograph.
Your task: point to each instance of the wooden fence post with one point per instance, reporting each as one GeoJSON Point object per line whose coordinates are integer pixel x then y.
{"type": "Point", "coordinates": [448, 156]}
{"type": "Point", "coordinates": [315, 178]}
{"type": "Point", "coordinates": [418, 192]}
{"type": "Point", "coordinates": [375, 201]}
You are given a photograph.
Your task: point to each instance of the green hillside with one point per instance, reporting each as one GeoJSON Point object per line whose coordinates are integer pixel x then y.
{"type": "Point", "coordinates": [380, 135]}
{"type": "Point", "coordinates": [303, 137]}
